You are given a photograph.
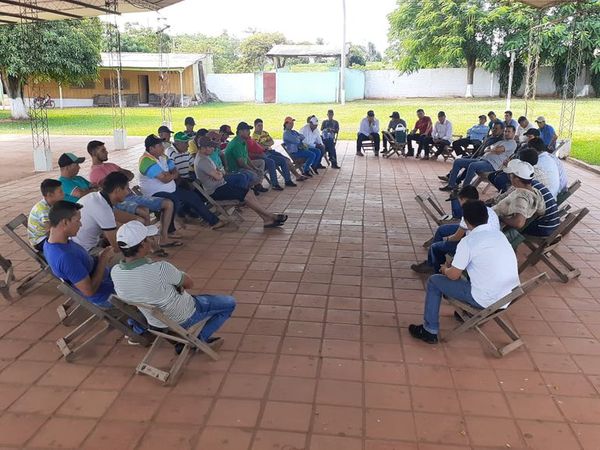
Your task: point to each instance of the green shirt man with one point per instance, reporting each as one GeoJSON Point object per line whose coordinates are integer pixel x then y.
{"type": "Point", "coordinates": [236, 149]}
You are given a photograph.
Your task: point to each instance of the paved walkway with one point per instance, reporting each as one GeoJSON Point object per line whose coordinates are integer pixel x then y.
{"type": "Point", "coordinates": [317, 355]}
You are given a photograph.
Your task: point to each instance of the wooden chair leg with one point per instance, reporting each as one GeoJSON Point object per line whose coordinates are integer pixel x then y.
{"type": "Point", "coordinates": [81, 337]}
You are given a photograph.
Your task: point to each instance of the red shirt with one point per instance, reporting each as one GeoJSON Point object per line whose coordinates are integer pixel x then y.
{"type": "Point", "coordinates": [255, 150]}
{"type": "Point", "coordinates": [99, 172]}
{"type": "Point", "coordinates": [423, 124]}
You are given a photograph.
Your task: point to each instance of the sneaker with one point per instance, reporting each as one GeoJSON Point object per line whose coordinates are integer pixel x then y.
{"type": "Point", "coordinates": [215, 343]}
{"type": "Point", "coordinates": [335, 166]}
{"type": "Point", "coordinates": [418, 332]}
{"type": "Point", "coordinates": [443, 178]}
{"type": "Point", "coordinates": [423, 267]}
{"type": "Point", "coordinates": [277, 188]}
{"type": "Point", "coordinates": [290, 183]}
{"type": "Point", "coordinates": [446, 188]}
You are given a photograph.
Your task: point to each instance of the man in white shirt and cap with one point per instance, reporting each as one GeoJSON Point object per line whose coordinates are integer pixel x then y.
{"type": "Point", "coordinates": [368, 130]}
{"type": "Point", "coordinates": [313, 139]}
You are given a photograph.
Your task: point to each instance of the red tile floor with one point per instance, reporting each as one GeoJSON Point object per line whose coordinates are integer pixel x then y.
{"type": "Point", "coordinates": [317, 354]}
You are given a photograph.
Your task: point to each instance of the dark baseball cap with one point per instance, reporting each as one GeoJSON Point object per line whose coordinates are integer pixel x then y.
{"type": "Point", "coordinates": [189, 121]}
{"type": "Point", "coordinates": [205, 141]}
{"type": "Point", "coordinates": [243, 126]}
{"type": "Point", "coordinates": [151, 140]}
{"type": "Point", "coordinates": [532, 132]}
{"type": "Point", "coordinates": [395, 115]}
{"type": "Point", "coordinates": [66, 159]}
{"type": "Point", "coordinates": [225, 129]}
{"type": "Point", "coordinates": [370, 113]}
{"type": "Point", "coordinates": [164, 129]}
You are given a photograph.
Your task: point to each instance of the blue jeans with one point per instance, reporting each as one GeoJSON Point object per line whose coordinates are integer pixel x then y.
{"type": "Point", "coordinates": [132, 202]}
{"type": "Point", "coordinates": [242, 179]}
{"type": "Point", "coordinates": [281, 162]}
{"type": "Point", "coordinates": [330, 149]}
{"type": "Point", "coordinates": [472, 166]}
{"type": "Point", "coordinates": [440, 248]}
{"type": "Point", "coordinates": [318, 156]}
{"type": "Point", "coordinates": [249, 174]}
{"type": "Point", "coordinates": [183, 198]}
{"type": "Point", "coordinates": [218, 307]}
{"type": "Point", "coordinates": [308, 156]}
{"type": "Point", "coordinates": [456, 208]}
{"type": "Point", "coordinates": [438, 285]}
{"type": "Point", "coordinates": [270, 168]}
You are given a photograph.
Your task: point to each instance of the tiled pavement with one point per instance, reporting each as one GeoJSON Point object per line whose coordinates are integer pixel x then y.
{"type": "Point", "coordinates": [317, 355]}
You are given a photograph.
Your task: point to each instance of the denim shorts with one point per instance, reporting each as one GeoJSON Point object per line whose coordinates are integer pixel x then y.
{"type": "Point", "coordinates": [132, 202]}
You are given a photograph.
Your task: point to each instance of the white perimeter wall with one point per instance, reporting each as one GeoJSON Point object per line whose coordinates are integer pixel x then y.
{"type": "Point", "coordinates": [231, 87]}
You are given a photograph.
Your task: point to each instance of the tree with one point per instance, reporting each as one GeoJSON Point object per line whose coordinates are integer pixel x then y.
{"type": "Point", "coordinates": [372, 54]}
{"type": "Point", "coordinates": [66, 51]}
{"type": "Point", "coordinates": [224, 48]}
{"type": "Point", "coordinates": [137, 38]}
{"type": "Point", "coordinates": [438, 33]}
{"type": "Point", "coordinates": [357, 56]}
{"type": "Point", "coordinates": [254, 49]}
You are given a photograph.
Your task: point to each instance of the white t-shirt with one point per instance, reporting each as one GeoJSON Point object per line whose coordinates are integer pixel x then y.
{"type": "Point", "coordinates": [493, 221]}
{"type": "Point", "coordinates": [491, 263]}
{"type": "Point", "coordinates": [562, 173]}
{"type": "Point", "coordinates": [548, 166]}
{"type": "Point", "coordinates": [520, 134]}
{"type": "Point", "coordinates": [311, 137]}
{"type": "Point", "coordinates": [96, 216]}
{"type": "Point", "coordinates": [150, 185]}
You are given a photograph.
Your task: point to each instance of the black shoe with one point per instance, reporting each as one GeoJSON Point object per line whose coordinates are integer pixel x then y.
{"type": "Point", "coordinates": [423, 267]}
{"type": "Point", "coordinates": [178, 348]}
{"type": "Point", "coordinates": [262, 189]}
{"type": "Point", "coordinates": [335, 166]}
{"type": "Point", "coordinates": [290, 183]}
{"type": "Point", "coordinates": [256, 191]}
{"type": "Point", "coordinates": [447, 188]}
{"type": "Point", "coordinates": [321, 166]}
{"type": "Point", "coordinates": [307, 174]}
{"type": "Point", "coordinates": [418, 332]}
{"type": "Point", "coordinates": [314, 169]}
{"type": "Point", "coordinates": [443, 178]}
{"type": "Point", "coordinates": [277, 188]}
{"type": "Point", "coordinates": [458, 318]}
{"type": "Point", "coordinates": [360, 154]}
{"type": "Point", "coordinates": [376, 154]}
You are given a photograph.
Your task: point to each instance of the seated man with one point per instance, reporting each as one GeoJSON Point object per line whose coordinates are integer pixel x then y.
{"type": "Point", "coordinates": [493, 120]}
{"type": "Point", "coordinates": [395, 120]}
{"type": "Point", "coordinates": [238, 160]}
{"type": "Point", "coordinates": [491, 263]}
{"type": "Point", "coordinates": [529, 199]}
{"type": "Point", "coordinates": [492, 159]}
{"type": "Point", "coordinates": [189, 124]}
{"type": "Point", "coordinates": [97, 216]}
{"type": "Point", "coordinates": [313, 140]}
{"type": "Point", "coordinates": [508, 120]}
{"type": "Point", "coordinates": [420, 133]}
{"type": "Point", "coordinates": [137, 279]}
{"type": "Point", "coordinates": [329, 131]}
{"type": "Point", "coordinates": [216, 185]}
{"type": "Point", "coordinates": [368, 130]}
{"type": "Point", "coordinates": [475, 137]}
{"type": "Point", "coordinates": [37, 222]}
{"type": "Point", "coordinates": [225, 132]}
{"type": "Point", "coordinates": [441, 137]}
{"type": "Point", "coordinates": [157, 178]}
{"type": "Point", "coordinates": [547, 166]}
{"type": "Point", "coordinates": [547, 133]}
{"type": "Point", "coordinates": [294, 145]}
{"type": "Point", "coordinates": [523, 129]}
{"type": "Point", "coordinates": [74, 186]}
{"type": "Point", "coordinates": [286, 166]}
{"type": "Point", "coordinates": [70, 262]}
{"type": "Point", "coordinates": [178, 153]}
{"type": "Point", "coordinates": [138, 205]}
{"type": "Point", "coordinates": [448, 236]}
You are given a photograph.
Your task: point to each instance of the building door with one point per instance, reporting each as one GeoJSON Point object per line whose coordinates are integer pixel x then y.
{"type": "Point", "coordinates": [269, 87]}
{"type": "Point", "coordinates": [144, 86]}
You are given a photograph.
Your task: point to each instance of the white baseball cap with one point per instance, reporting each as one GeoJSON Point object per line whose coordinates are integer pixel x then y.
{"type": "Point", "coordinates": [520, 168]}
{"type": "Point", "coordinates": [134, 232]}
{"type": "Point", "coordinates": [540, 119]}
{"type": "Point", "coordinates": [314, 120]}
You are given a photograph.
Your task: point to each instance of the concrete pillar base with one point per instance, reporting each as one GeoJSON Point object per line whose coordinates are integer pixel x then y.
{"type": "Point", "coordinates": [120, 139]}
{"type": "Point", "coordinates": [42, 159]}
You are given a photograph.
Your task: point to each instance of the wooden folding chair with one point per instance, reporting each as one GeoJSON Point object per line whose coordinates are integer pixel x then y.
{"type": "Point", "coordinates": [10, 229]}
{"type": "Point", "coordinates": [96, 325]}
{"type": "Point", "coordinates": [226, 208]}
{"type": "Point", "coordinates": [432, 207]}
{"type": "Point", "coordinates": [9, 277]}
{"type": "Point", "coordinates": [564, 196]}
{"type": "Point", "coordinates": [367, 144]}
{"type": "Point", "coordinates": [476, 318]}
{"type": "Point", "coordinates": [174, 334]}
{"type": "Point", "coordinates": [545, 248]}
{"type": "Point", "coordinates": [395, 147]}
{"type": "Point", "coordinates": [298, 162]}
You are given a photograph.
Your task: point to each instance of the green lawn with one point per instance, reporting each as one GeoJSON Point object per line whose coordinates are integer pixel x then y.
{"type": "Point", "coordinates": [462, 113]}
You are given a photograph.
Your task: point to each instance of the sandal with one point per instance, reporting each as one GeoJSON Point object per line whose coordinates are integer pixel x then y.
{"type": "Point", "coordinates": [171, 244]}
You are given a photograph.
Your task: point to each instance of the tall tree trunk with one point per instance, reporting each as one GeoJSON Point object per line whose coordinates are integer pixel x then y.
{"type": "Point", "coordinates": [14, 88]}
{"type": "Point", "coordinates": [471, 64]}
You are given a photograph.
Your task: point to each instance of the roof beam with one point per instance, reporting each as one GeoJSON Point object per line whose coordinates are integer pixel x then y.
{"type": "Point", "coordinates": [87, 5]}
{"type": "Point", "coordinates": [39, 8]}
{"type": "Point", "coordinates": [8, 22]}
{"type": "Point", "coordinates": [19, 16]}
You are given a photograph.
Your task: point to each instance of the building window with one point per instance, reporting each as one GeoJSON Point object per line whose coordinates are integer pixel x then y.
{"type": "Point", "coordinates": [124, 83]}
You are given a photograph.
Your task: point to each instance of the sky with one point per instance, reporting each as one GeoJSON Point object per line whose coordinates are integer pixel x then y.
{"type": "Point", "coordinates": [298, 21]}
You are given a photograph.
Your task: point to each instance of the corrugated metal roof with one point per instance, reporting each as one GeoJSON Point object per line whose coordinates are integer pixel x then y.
{"type": "Point", "coordinates": [306, 50]}
{"type": "Point", "coordinates": [152, 60]}
{"type": "Point", "coordinates": [545, 3]}
{"type": "Point", "coordinates": [66, 9]}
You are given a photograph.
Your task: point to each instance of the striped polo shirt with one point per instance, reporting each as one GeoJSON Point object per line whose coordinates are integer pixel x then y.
{"type": "Point", "coordinates": [182, 161]}
{"type": "Point", "coordinates": [546, 224]}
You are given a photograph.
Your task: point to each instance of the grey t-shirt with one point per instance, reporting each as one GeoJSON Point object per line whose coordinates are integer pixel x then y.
{"type": "Point", "coordinates": [203, 166]}
{"type": "Point", "coordinates": [496, 159]}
